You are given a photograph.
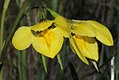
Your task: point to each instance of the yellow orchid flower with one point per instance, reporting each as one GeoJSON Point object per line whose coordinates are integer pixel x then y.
{"type": "Point", "coordinates": [84, 33]}
{"type": "Point", "coordinates": [44, 37]}
{"type": "Point", "coordinates": [83, 41]}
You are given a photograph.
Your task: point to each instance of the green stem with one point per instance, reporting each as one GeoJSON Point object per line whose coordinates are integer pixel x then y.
{"type": "Point", "coordinates": [53, 13]}
{"type": "Point", "coordinates": [60, 61]}
{"type": "Point", "coordinates": [22, 65]}
{"type": "Point", "coordinates": [6, 3]}
{"type": "Point", "coordinates": [44, 63]}
{"type": "Point", "coordinates": [2, 28]}
{"type": "Point", "coordinates": [5, 7]}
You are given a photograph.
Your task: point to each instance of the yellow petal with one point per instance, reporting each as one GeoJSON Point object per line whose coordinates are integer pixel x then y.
{"type": "Point", "coordinates": [50, 43]}
{"type": "Point", "coordinates": [62, 23]}
{"type": "Point", "coordinates": [103, 34]}
{"type": "Point", "coordinates": [41, 26]}
{"type": "Point", "coordinates": [22, 38]}
{"type": "Point", "coordinates": [40, 45]}
{"type": "Point", "coordinates": [82, 28]}
{"type": "Point", "coordinates": [88, 46]}
{"type": "Point", "coordinates": [75, 49]}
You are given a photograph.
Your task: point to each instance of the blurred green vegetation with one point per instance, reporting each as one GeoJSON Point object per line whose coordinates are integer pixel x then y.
{"type": "Point", "coordinates": [29, 65]}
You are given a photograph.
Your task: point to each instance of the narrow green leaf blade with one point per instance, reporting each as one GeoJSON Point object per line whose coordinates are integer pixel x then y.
{"type": "Point", "coordinates": [44, 63]}
{"type": "Point", "coordinates": [95, 65]}
{"type": "Point", "coordinates": [60, 61]}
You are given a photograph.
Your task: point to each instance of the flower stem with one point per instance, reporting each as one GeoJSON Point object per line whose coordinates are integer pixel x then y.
{"type": "Point", "coordinates": [6, 3]}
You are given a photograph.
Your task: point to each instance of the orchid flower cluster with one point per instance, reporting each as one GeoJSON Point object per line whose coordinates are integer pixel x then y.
{"type": "Point", "coordinates": [47, 37]}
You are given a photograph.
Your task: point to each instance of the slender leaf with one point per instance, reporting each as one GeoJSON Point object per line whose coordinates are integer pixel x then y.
{"type": "Point", "coordinates": [60, 61]}
{"type": "Point", "coordinates": [44, 63]}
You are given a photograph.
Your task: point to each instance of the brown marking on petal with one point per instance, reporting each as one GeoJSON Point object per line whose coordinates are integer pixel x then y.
{"type": "Point", "coordinates": [35, 33]}
{"type": "Point", "coordinates": [52, 26]}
